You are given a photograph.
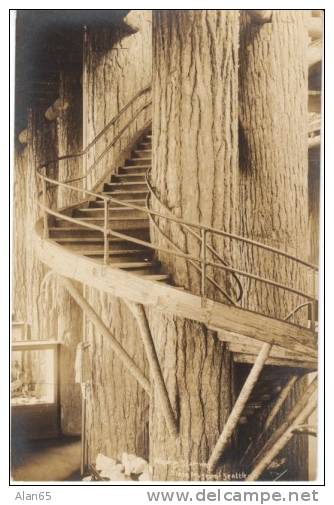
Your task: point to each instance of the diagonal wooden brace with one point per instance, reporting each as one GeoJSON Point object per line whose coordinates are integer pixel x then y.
{"type": "Point", "coordinates": [281, 442]}
{"type": "Point", "coordinates": [290, 418]}
{"type": "Point", "coordinates": [272, 415]}
{"type": "Point", "coordinates": [238, 407]}
{"type": "Point", "coordinates": [119, 351]}
{"type": "Point", "coordinates": [138, 311]}
{"type": "Point", "coordinates": [279, 401]}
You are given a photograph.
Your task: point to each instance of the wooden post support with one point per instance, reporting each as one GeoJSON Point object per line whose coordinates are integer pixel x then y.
{"type": "Point", "coordinates": [139, 313]}
{"type": "Point", "coordinates": [238, 407]}
{"type": "Point", "coordinates": [127, 361]}
{"type": "Point", "coordinates": [277, 446]}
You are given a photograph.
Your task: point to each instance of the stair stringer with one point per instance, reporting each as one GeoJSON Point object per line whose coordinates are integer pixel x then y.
{"type": "Point", "coordinates": [166, 298]}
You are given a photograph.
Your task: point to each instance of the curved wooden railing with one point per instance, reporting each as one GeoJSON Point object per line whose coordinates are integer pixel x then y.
{"type": "Point", "coordinates": [202, 230]}
{"type": "Point", "coordinates": [135, 107]}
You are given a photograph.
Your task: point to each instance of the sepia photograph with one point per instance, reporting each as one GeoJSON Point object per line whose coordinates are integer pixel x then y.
{"type": "Point", "coordinates": [166, 202]}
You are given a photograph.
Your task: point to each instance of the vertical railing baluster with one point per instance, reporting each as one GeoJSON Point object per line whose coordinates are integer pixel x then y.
{"type": "Point", "coordinates": [203, 266]}
{"type": "Point", "coordinates": [45, 215]}
{"type": "Point", "coordinates": [105, 233]}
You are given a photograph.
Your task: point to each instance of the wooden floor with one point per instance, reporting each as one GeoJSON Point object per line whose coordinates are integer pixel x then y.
{"type": "Point", "coordinates": [46, 460]}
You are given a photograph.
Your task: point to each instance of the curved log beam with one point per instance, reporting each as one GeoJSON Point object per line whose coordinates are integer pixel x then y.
{"type": "Point", "coordinates": [217, 316]}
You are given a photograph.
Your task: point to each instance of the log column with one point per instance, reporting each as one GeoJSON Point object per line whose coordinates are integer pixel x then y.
{"type": "Point", "coordinates": [273, 186]}
{"type": "Point", "coordinates": [194, 172]}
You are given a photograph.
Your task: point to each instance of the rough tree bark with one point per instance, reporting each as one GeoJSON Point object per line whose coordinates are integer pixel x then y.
{"type": "Point", "coordinates": [194, 172]}
{"type": "Point", "coordinates": [41, 305]}
{"type": "Point", "coordinates": [19, 298]}
{"type": "Point", "coordinates": [117, 406]}
{"type": "Point", "coordinates": [273, 185]}
{"type": "Point", "coordinates": [45, 306]}
{"type": "Point", "coordinates": [70, 320]}
{"type": "Point", "coordinates": [118, 65]}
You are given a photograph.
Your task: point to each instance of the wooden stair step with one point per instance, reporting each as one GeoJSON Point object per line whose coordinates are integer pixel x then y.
{"type": "Point", "coordinates": [143, 266]}
{"type": "Point", "coordinates": [140, 202]}
{"type": "Point", "coordinates": [145, 271]}
{"type": "Point", "coordinates": [128, 178]}
{"type": "Point", "coordinates": [145, 166]}
{"type": "Point", "coordinates": [139, 161]}
{"type": "Point", "coordinates": [142, 153]}
{"type": "Point", "coordinates": [99, 239]}
{"type": "Point", "coordinates": [136, 170]}
{"type": "Point", "coordinates": [115, 212]}
{"type": "Point", "coordinates": [122, 186]}
{"type": "Point", "coordinates": [119, 223]}
{"type": "Point", "coordinates": [81, 232]}
{"type": "Point", "coordinates": [114, 247]}
{"type": "Point", "coordinates": [127, 194]}
{"type": "Point", "coordinates": [118, 255]}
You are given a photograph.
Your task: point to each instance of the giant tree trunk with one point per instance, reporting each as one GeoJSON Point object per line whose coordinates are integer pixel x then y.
{"type": "Point", "coordinates": [194, 171]}
{"type": "Point", "coordinates": [118, 65]}
{"type": "Point", "coordinates": [70, 320]}
{"type": "Point", "coordinates": [273, 194]}
{"type": "Point", "coordinates": [19, 299]}
{"type": "Point", "coordinates": [273, 200]}
{"type": "Point", "coordinates": [117, 406]}
{"type": "Point", "coordinates": [44, 305]}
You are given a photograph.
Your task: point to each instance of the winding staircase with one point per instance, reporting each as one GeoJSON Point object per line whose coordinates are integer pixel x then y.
{"type": "Point", "coordinates": [104, 242]}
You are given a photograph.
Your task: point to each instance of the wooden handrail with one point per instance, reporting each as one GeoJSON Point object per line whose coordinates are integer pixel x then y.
{"type": "Point", "coordinates": [199, 226]}
{"type": "Point", "coordinates": [200, 231]}
{"type": "Point", "coordinates": [100, 134]}
{"type": "Point", "coordinates": [111, 123]}
{"type": "Point", "coordinates": [135, 240]}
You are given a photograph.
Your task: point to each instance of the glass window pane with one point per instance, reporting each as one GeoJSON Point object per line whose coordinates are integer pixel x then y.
{"type": "Point", "coordinates": [32, 377]}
